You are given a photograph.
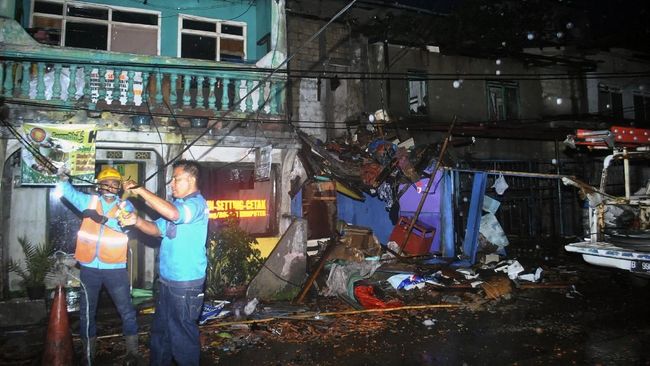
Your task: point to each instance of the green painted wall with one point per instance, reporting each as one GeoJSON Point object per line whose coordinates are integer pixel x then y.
{"type": "Point", "coordinates": [263, 24]}
{"type": "Point", "coordinates": [256, 14]}
{"type": "Point", "coordinates": [7, 8]}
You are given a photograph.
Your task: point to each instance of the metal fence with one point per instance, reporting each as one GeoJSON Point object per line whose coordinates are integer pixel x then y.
{"type": "Point", "coordinates": [532, 208]}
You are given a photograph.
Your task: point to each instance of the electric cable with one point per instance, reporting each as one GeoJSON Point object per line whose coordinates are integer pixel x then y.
{"type": "Point", "coordinates": [145, 99]}
{"type": "Point", "coordinates": [230, 3]}
{"type": "Point", "coordinates": [250, 5]}
{"type": "Point", "coordinates": [39, 156]}
{"type": "Point", "coordinates": [264, 80]}
{"type": "Point", "coordinates": [260, 108]}
{"type": "Point", "coordinates": [169, 108]}
{"type": "Point", "coordinates": [424, 125]}
{"type": "Point", "coordinates": [277, 121]}
{"type": "Point", "coordinates": [355, 75]}
{"type": "Point", "coordinates": [35, 152]}
{"type": "Point", "coordinates": [280, 277]}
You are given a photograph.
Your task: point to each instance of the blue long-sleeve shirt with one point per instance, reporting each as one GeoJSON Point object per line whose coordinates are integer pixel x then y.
{"type": "Point", "coordinates": [81, 201]}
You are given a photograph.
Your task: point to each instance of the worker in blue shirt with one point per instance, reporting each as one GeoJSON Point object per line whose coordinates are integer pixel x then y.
{"type": "Point", "coordinates": [101, 252]}
{"type": "Point", "coordinates": [183, 226]}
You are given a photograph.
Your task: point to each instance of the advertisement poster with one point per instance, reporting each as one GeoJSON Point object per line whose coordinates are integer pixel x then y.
{"type": "Point", "coordinates": [123, 87]}
{"type": "Point", "coordinates": [53, 146]}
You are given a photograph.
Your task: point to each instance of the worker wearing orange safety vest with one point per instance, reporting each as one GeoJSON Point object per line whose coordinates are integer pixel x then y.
{"type": "Point", "coordinates": [101, 252]}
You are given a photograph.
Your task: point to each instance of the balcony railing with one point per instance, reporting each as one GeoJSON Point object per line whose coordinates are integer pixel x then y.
{"type": "Point", "coordinates": [101, 80]}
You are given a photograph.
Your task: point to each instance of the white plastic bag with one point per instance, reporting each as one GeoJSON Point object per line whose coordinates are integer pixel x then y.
{"type": "Point", "coordinates": [500, 185]}
{"type": "Point", "coordinates": [251, 306]}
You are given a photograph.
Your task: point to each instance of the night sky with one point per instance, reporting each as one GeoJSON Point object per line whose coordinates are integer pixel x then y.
{"type": "Point", "coordinates": [516, 24]}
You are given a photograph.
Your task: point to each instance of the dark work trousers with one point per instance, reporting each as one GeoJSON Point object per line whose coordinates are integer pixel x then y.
{"type": "Point", "coordinates": [175, 329]}
{"type": "Point", "coordinates": [116, 282]}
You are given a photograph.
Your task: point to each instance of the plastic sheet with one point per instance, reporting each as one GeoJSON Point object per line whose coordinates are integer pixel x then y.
{"type": "Point", "coordinates": [212, 310]}
{"type": "Point", "coordinates": [366, 297]}
{"type": "Point", "coordinates": [341, 277]}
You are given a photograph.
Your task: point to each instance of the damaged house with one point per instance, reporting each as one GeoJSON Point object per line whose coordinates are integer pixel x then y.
{"type": "Point", "coordinates": [389, 81]}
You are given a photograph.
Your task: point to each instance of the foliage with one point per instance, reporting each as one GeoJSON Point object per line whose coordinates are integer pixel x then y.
{"type": "Point", "coordinates": [232, 258]}
{"type": "Point", "coordinates": [39, 261]}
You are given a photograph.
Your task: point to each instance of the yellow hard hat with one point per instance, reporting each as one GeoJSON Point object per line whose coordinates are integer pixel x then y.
{"type": "Point", "coordinates": [109, 173]}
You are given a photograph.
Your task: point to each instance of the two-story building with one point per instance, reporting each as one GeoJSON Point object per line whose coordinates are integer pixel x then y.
{"type": "Point", "coordinates": [155, 81]}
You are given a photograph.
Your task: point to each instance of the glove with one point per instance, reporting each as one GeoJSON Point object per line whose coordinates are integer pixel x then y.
{"type": "Point", "coordinates": [126, 215]}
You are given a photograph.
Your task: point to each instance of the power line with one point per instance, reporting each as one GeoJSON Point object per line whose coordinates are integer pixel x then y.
{"type": "Point", "coordinates": [284, 62]}
{"type": "Point", "coordinates": [608, 114]}
{"type": "Point", "coordinates": [230, 4]}
{"type": "Point", "coordinates": [342, 74]}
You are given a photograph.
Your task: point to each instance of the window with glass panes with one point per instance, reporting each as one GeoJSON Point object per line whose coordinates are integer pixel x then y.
{"type": "Point", "coordinates": [417, 92]}
{"type": "Point", "coordinates": [503, 100]}
{"type": "Point", "coordinates": [211, 39]}
{"type": "Point", "coordinates": [610, 102]}
{"type": "Point", "coordinates": [100, 27]}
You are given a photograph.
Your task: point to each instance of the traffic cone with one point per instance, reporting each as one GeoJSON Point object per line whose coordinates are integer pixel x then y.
{"type": "Point", "coordinates": [58, 344]}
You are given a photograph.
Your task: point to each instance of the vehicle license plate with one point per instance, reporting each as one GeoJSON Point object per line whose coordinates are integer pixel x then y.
{"type": "Point", "coordinates": [640, 266]}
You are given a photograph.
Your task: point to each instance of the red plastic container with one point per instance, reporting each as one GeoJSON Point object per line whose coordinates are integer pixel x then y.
{"type": "Point", "coordinates": [420, 239]}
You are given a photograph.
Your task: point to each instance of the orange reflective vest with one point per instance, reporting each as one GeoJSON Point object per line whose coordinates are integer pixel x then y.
{"type": "Point", "coordinates": [95, 239]}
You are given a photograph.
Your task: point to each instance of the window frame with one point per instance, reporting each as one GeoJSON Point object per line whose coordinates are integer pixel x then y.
{"type": "Point", "coordinates": [216, 34]}
{"type": "Point", "coordinates": [611, 111]}
{"type": "Point", "coordinates": [417, 76]}
{"type": "Point", "coordinates": [503, 85]}
{"type": "Point", "coordinates": [108, 22]}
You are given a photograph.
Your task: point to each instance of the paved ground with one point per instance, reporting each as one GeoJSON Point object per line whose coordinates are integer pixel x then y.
{"type": "Point", "coordinates": [608, 325]}
{"type": "Point", "coordinates": [606, 322]}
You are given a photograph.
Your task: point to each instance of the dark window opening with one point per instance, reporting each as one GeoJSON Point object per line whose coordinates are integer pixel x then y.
{"type": "Point", "coordinates": [135, 18]}
{"type": "Point", "coordinates": [92, 13]}
{"type": "Point", "coordinates": [198, 25]}
{"type": "Point", "coordinates": [199, 47]}
{"type": "Point", "coordinates": [48, 8]}
{"type": "Point", "coordinates": [232, 29]}
{"type": "Point", "coordinates": [642, 111]}
{"type": "Point", "coordinates": [86, 35]}
{"type": "Point", "coordinates": [610, 102]}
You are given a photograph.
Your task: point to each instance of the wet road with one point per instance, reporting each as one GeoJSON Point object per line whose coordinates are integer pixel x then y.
{"type": "Point", "coordinates": [606, 322]}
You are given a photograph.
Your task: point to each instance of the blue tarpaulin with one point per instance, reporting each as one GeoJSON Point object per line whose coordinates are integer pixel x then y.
{"type": "Point", "coordinates": [371, 213]}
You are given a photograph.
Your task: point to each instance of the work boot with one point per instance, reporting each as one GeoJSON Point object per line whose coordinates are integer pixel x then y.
{"type": "Point", "coordinates": [88, 351]}
{"type": "Point", "coordinates": [131, 342]}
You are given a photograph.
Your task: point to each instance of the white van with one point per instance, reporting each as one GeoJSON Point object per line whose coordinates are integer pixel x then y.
{"type": "Point", "coordinates": [619, 214]}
